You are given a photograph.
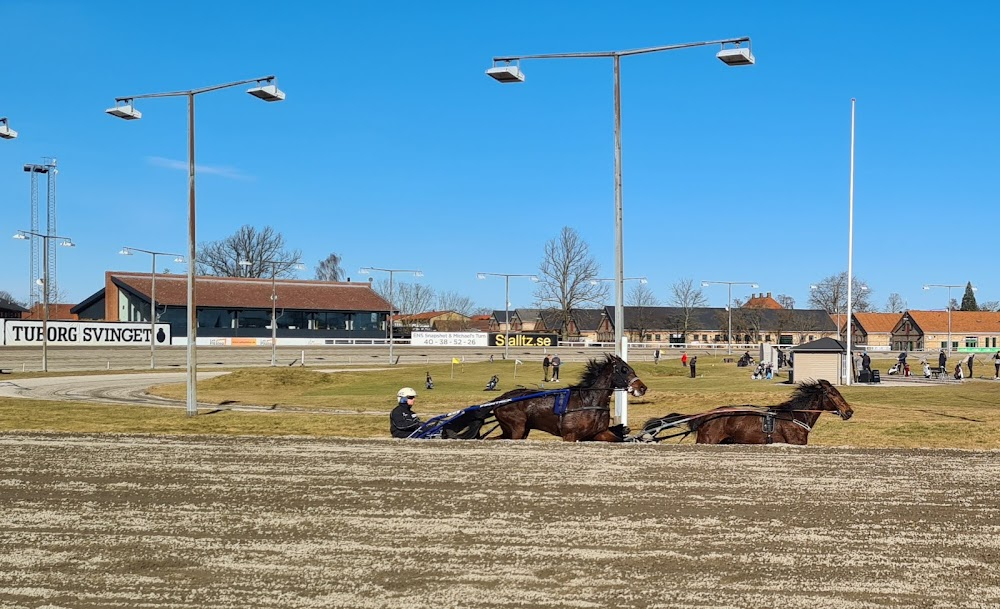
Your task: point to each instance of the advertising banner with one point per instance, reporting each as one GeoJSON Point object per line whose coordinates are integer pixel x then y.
{"type": "Point", "coordinates": [498, 339]}
{"type": "Point", "coordinates": [449, 339]}
{"type": "Point", "coordinates": [82, 333]}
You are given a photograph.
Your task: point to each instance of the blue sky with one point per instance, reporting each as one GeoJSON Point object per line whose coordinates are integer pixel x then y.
{"type": "Point", "coordinates": [393, 149]}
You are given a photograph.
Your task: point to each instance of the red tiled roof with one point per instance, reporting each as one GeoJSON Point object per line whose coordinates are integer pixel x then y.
{"type": "Point", "coordinates": [961, 321]}
{"type": "Point", "coordinates": [256, 293]}
{"type": "Point", "coordinates": [877, 322]}
{"type": "Point", "coordinates": [56, 311]}
{"type": "Point", "coordinates": [762, 302]}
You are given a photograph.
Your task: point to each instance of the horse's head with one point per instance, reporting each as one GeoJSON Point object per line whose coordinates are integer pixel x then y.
{"type": "Point", "coordinates": [828, 398]}
{"type": "Point", "coordinates": [624, 377]}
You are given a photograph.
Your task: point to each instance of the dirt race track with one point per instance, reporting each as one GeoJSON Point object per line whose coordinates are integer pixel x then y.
{"type": "Point", "coordinates": [115, 521]}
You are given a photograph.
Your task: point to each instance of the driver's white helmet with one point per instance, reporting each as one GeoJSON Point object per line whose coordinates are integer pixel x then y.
{"type": "Point", "coordinates": [406, 392]}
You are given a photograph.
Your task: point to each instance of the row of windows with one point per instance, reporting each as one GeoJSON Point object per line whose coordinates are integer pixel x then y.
{"type": "Point", "coordinates": [289, 320]}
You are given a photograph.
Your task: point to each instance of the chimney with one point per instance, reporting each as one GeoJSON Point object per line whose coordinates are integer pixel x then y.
{"type": "Point", "coordinates": [768, 294]}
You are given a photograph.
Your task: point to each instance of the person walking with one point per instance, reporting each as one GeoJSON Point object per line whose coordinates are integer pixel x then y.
{"type": "Point", "coordinates": [693, 363]}
{"type": "Point", "coordinates": [943, 363]}
{"type": "Point", "coordinates": [996, 366]}
{"type": "Point", "coordinates": [968, 362]}
{"type": "Point", "coordinates": [545, 367]}
{"type": "Point", "coordinates": [556, 362]}
{"type": "Point", "coordinates": [656, 355]}
{"type": "Point", "coordinates": [402, 420]}
{"type": "Point", "coordinates": [684, 358]}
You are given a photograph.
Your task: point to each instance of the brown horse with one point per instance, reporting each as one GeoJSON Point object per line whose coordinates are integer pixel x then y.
{"type": "Point", "coordinates": [789, 422]}
{"type": "Point", "coordinates": [578, 413]}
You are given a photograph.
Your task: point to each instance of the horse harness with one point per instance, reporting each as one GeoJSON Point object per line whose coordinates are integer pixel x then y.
{"type": "Point", "coordinates": [767, 423]}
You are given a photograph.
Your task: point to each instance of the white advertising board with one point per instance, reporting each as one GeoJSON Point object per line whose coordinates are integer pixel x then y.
{"type": "Point", "coordinates": [449, 339]}
{"type": "Point", "coordinates": [82, 333]}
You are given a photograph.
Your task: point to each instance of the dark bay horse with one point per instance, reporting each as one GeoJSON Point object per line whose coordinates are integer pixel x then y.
{"type": "Point", "coordinates": [789, 422]}
{"type": "Point", "coordinates": [585, 408]}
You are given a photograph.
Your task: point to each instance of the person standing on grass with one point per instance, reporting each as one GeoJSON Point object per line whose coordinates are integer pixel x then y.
{"type": "Point", "coordinates": [556, 362]}
{"type": "Point", "coordinates": [545, 367]}
{"type": "Point", "coordinates": [996, 366]}
{"type": "Point", "coordinates": [684, 358]}
{"type": "Point", "coordinates": [656, 355]}
{"type": "Point", "coordinates": [968, 362]}
{"type": "Point", "coordinates": [943, 362]}
{"type": "Point", "coordinates": [693, 363]}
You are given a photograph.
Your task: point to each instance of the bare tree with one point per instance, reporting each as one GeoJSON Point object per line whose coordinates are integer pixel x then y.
{"type": "Point", "coordinates": [565, 276]}
{"type": "Point", "coordinates": [895, 303]}
{"type": "Point", "coordinates": [329, 269]}
{"type": "Point", "coordinates": [222, 258]}
{"type": "Point", "coordinates": [990, 305]}
{"type": "Point", "coordinates": [687, 297]}
{"type": "Point", "coordinates": [453, 301]}
{"type": "Point", "coordinates": [786, 301]}
{"type": "Point", "coordinates": [641, 297]}
{"type": "Point", "coordinates": [407, 298]}
{"type": "Point", "coordinates": [831, 295]}
{"type": "Point", "coordinates": [4, 295]}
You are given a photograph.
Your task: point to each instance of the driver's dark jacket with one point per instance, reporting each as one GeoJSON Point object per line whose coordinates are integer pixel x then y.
{"type": "Point", "coordinates": [402, 421]}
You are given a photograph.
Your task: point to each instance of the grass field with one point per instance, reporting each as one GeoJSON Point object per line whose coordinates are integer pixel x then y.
{"type": "Point", "coordinates": [353, 403]}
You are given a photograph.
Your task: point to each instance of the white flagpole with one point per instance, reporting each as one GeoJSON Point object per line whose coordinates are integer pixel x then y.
{"type": "Point", "coordinates": [850, 254]}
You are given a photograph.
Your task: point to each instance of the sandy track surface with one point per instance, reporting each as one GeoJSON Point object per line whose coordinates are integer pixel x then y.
{"type": "Point", "coordinates": [122, 521]}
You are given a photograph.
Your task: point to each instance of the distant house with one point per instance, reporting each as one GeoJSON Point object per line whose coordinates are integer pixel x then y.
{"type": "Point", "coordinates": [480, 323]}
{"type": "Point", "coordinates": [57, 311]}
{"type": "Point", "coordinates": [930, 330]}
{"type": "Point", "coordinates": [710, 325]}
{"type": "Point", "coordinates": [239, 306]}
{"type": "Point", "coordinates": [438, 321]}
{"type": "Point", "coordinates": [874, 330]}
{"type": "Point", "coordinates": [11, 310]}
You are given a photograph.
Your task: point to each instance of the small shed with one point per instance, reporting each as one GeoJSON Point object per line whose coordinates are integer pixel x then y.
{"type": "Point", "coordinates": [819, 359]}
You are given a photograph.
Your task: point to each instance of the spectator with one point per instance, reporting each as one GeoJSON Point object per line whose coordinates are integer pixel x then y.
{"type": "Point", "coordinates": [968, 362]}
{"type": "Point", "coordinates": [943, 362]}
{"type": "Point", "coordinates": [656, 355]}
{"type": "Point", "coordinates": [692, 364]}
{"type": "Point", "coordinates": [866, 362]}
{"type": "Point", "coordinates": [996, 366]}
{"type": "Point", "coordinates": [556, 362]}
{"type": "Point", "coordinates": [684, 358]}
{"type": "Point", "coordinates": [545, 367]}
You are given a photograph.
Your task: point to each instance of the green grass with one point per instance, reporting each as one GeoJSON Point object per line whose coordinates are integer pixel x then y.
{"type": "Point", "coordinates": [308, 402]}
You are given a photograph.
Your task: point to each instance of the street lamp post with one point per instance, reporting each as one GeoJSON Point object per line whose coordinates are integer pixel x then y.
{"type": "Point", "coordinates": [5, 131]}
{"type": "Point", "coordinates": [388, 320]}
{"type": "Point", "coordinates": [125, 109]}
{"type": "Point", "coordinates": [66, 242]}
{"type": "Point", "coordinates": [288, 264]}
{"type": "Point", "coordinates": [506, 303]}
{"type": "Point", "coordinates": [729, 304]}
{"type": "Point", "coordinates": [621, 396]}
{"type": "Point", "coordinates": [941, 285]}
{"type": "Point", "coordinates": [507, 73]}
{"type": "Point", "coordinates": [127, 251]}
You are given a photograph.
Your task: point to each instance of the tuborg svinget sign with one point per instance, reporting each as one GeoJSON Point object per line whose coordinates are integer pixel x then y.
{"type": "Point", "coordinates": [91, 333]}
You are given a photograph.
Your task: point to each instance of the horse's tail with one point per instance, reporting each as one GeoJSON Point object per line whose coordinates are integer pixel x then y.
{"type": "Point", "coordinates": [666, 421]}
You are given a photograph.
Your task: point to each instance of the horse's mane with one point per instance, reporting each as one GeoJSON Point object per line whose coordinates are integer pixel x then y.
{"type": "Point", "coordinates": [804, 395]}
{"type": "Point", "coordinates": [593, 371]}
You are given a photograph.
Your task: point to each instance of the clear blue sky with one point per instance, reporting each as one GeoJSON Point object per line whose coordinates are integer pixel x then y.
{"type": "Point", "coordinates": [393, 149]}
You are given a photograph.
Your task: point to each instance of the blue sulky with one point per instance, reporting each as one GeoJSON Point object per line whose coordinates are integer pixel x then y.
{"type": "Point", "coordinates": [468, 423]}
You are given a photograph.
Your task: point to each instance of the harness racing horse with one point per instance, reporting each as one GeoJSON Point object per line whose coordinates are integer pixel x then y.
{"type": "Point", "coordinates": [789, 422]}
{"type": "Point", "coordinates": [579, 413]}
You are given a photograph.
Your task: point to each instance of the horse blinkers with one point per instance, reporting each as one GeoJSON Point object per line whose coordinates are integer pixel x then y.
{"type": "Point", "coordinates": [627, 379]}
{"type": "Point", "coordinates": [840, 405]}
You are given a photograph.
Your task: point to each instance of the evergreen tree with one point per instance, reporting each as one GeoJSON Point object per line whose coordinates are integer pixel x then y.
{"type": "Point", "coordinates": [969, 299]}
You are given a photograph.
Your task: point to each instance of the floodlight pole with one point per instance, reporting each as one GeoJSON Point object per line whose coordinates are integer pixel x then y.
{"type": "Point", "coordinates": [388, 320]}
{"type": "Point", "coordinates": [941, 285]}
{"type": "Point", "coordinates": [192, 313]}
{"type": "Point", "coordinates": [849, 376]}
{"type": "Point", "coordinates": [127, 251]}
{"type": "Point", "coordinates": [506, 303]}
{"type": "Point", "coordinates": [729, 304]}
{"type": "Point", "coordinates": [67, 242]}
{"type": "Point", "coordinates": [619, 246]}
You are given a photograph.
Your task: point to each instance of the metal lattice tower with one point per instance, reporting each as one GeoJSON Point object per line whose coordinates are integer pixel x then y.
{"type": "Point", "coordinates": [37, 272]}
